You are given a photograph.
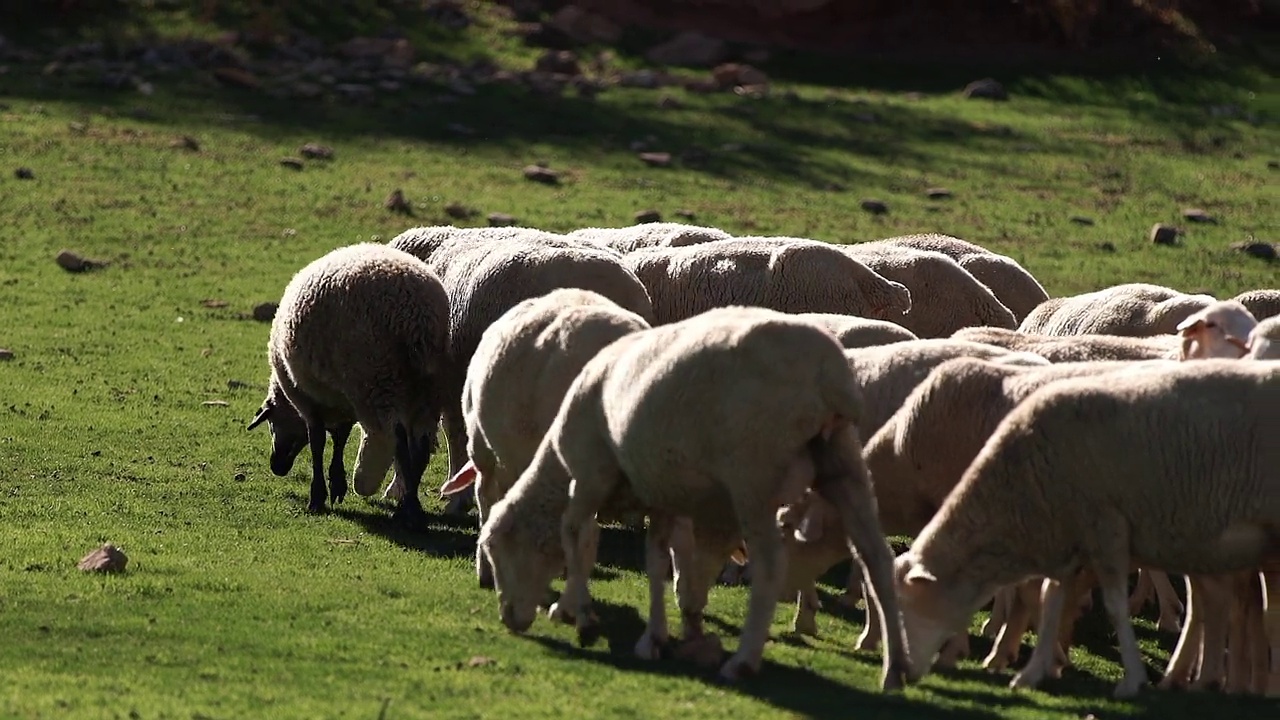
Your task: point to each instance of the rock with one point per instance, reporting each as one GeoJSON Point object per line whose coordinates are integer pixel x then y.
{"type": "Point", "coordinates": [497, 219]}
{"type": "Point", "coordinates": [584, 26]}
{"type": "Point", "coordinates": [541, 174]}
{"type": "Point", "coordinates": [73, 262]}
{"type": "Point", "coordinates": [586, 87]}
{"type": "Point", "coordinates": [449, 13]}
{"type": "Point", "coordinates": [648, 216]}
{"type": "Point", "coordinates": [1162, 234]}
{"type": "Point", "coordinates": [235, 77]}
{"type": "Point", "coordinates": [6, 354]}
{"type": "Point", "coordinates": [265, 312]}
{"type": "Point", "coordinates": [875, 207]}
{"type": "Point", "coordinates": [24, 173]}
{"type": "Point", "coordinates": [686, 215]}
{"type": "Point", "coordinates": [666, 102]}
{"type": "Point", "coordinates": [648, 79]}
{"type": "Point", "coordinates": [754, 92]}
{"type": "Point", "coordinates": [106, 559]}
{"type": "Point", "coordinates": [316, 151]}
{"type": "Point", "coordinates": [1107, 246]}
{"type": "Point", "coordinates": [1081, 220]}
{"type": "Point", "coordinates": [937, 193]}
{"type": "Point", "coordinates": [396, 203]}
{"type": "Point", "coordinates": [458, 211]}
{"type": "Point", "coordinates": [543, 35]}
{"type": "Point", "coordinates": [1260, 250]}
{"type": "Point", "coordinates": [1273, 164]}
{"type": "Point", "coordinates": [656, 159]}
{"type": "Point", "coordinates": [239, 477]}
{"type": "Point", "coordinates": [397, 52]}
{"type": "Point", "coordinates": [562, 62]}
{"type": "Point", "coordinates": [689, 49]}
{"type": "Point", "coordinates": [214, 304]}
{"type": "Point", "coordinates": [186, 142]}
{"type": "Point", "coordinates": [1198, 215]}
{"type": "Point", "coordinates": [729, 75]}
{"type": "Point", "coordinates": [986, 89]}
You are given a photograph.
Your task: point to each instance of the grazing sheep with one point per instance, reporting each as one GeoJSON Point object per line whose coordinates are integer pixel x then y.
{"type": "Point", "coordinates": [784, 274]}
{"type": "Point", "coordinates": [1262, 304]}
{"type": "Point", "coordinates": [1015, 287]}
{"type": "Point", "coordinates": [721, 418]}
{"type": "Point", "coordinates": [485, 279]}
{"type": "Point", "coordinates": [518, 376]}
{"type": "Point", "coordinates": [1096, 473]}
{"type": "Point", "coordinates": [1264, 340]}
{"type": "Point", "coordinates": [856, 332]}
{"type": "Point", "coordinates": [1221, 330]}
{"type": "Point", "coordinates": [1076, 348]}
{"type": "Point", "coordinates": [360, 335]}
{"type": "Point", "coordinates": [1132, 309]}
{"type": "Point", "coordinates": [660, 234]}
{"type": "Point", "coordinates": [422, 242]}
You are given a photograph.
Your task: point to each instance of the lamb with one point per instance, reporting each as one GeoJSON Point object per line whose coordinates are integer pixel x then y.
{"type": "Point", "coordinates": [856, 332]}
{"type": "Point", "coordinates": [785, 274]}
{"type": "Point", "coordinates": [485, 279]}
{"type": "Point", "coordinates": [1012, 285]}
{"type": "Point", "coordinates": [1262, 304]}
{"type": "Point", "coordinates": [1264, 340]}
{"type": "Point", "coordinates": [1132, 309]}
{"type": "Point", "coordinates": [523, 365]}
{"type": "Point", "coordinates": [721, 419]}
{"type": "Point", "coordinates": [1082, 475]}
{"type": "Point", "coordinates": [360, 335]}
{"type": "Point", "coordinates": [660, 234]}
{"type": "Point", "coordinates": [1076, 348]}
{"type": "Point", "coordinates": [1220, 330]}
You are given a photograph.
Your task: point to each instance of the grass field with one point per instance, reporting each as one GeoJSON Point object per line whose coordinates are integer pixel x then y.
{"type": "Point", "coordinates": [237, 604]}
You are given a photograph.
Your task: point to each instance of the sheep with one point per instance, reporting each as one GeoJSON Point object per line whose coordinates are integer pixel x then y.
{"type": "Point", "coordinates": [786, 274]}
{"type": "Point", "coordinates": [1095, 473]}
{"type": "Point", "coordinates": [1262, 304]}
{"type": "Point", "coordinates": [1076, 348]}
{"type": "Point", "coordinates": [660, 234]}
{"type": "Point", "coordinates": [1220, 330]}
{"type": "Point", "coordinates": [1132, 309]}
{"type": "Point", "coordinates": [1264, 340]}
{"type": "Point", "coordinates": [422, 242]}
{"type": "Point", "coordinates": [523, 365]}
{"type": "Point", "coordinates": [720, 419]}
{"type": "Point", "coordinates": [945, 297]}
{"type": "Point", "coordinates": [360, 335]}
{"type": "Point", "coordinates": [856, 332]}
{"type": "Point", "coordinates": [1015, 287]}
{"type": "Point", "coordinates": [484, 279]}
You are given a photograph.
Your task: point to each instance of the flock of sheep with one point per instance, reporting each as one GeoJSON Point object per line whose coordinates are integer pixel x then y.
{"type": "Point", "coordinates": [772, 406]}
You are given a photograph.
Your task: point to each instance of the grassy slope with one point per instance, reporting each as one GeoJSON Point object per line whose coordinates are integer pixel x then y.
{"type": "Point", "coordinates": [237, 604]}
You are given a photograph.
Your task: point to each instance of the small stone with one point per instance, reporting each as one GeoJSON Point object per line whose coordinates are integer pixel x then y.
{"type": "Point", "coordinates": [1107, 246]}
{"type": "Point", "coordinates": [316, 151]}
{"type": "Point", "coordinates": [73, 262]}
{"type": "Point", "coordinates": [1081, 220]}
{"type": "Point", "coordinates": [237, 385]}
{"type": "Point", "coordinates": [875, 207]}
{"type": "Point", "coordinates": [561, 62]}
{"type": "Point", "coordinates": [497, 219]}
{"type": "Point", "coordinates": [210, 303]}
{"type": "Point", "coordinates": [239, 477]}
{"type": "Point", "coordinates": [265, 312]}
{"type": "Point", "coordinates": [106, 559]}
{"type": "Point", "coordinates": [986, 89]}
{"type": "Point", "coordinates": [458, 211]}
{"type": "Point", "coordinates": [396, 203]}
{"type": "Point", "coordinates": [640, 79]}
{"type": "Point", "coordinates": [656, 159]}
{"type": "Point", "coordinates": [480, 661]}
{"type": "Point", "coordinates": [186, 142]}
{"type": "Point", "coordinates": [6, 354]}
{"type": "Point", "coordinates": [235, 77]}
{"type": "Point", "coordinates": [686, 215]}
{"type": "Point", "coordinates": [648, 216]}
{"type": "Point", "coordinates": [1162, 234]}
{"type": "Point", "coordinates": [1198, 215]}
{"type": "Point", "coordinates": [730, 75]}
{"type": "Point", "coordinates": [24, 173]}
{"type": "Point", "coordinates": [1260, 250]}
{"type": "Point", "coordinates": [1273, 164]}
{"type": "Point", "coordinates": [666, 102]}
{"type": "Point", "coordinates": [541, 174]}
{"type": "Point", "coordinates": [938, 193]}
{"type": "Point", "coordinates": [291, 162]}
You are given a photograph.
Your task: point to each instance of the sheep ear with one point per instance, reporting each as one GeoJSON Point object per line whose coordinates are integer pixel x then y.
{"type": "Point", "coordinates": [461, 480]}
{"type": "Point", "coordinates": [739, 555]}
{"type": "Point", "coordinates": [1190, 325]}
{"type": "Point", "coordinates": [810, 529]}
{"type": "Point", "coordinates": [918, 573]}
{"type": "Point", "coordinates": [263, 414]}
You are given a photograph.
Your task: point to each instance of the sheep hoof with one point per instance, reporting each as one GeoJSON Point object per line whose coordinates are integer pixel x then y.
{"type": "Point", "coordinates": [337, 488]}
{"type": "Point", "coordinates": [485, 575]}
{"type": "Point", "coordinates": [649, 647]}
{"type": "Point", "coordinates": [412, 516]}
{"type": "Point", "coordinates": [738, 668]}
{"type": "Point", "coordinates": [394, 491]}
{"type": "Point", "coordinates": [588, 633]}
{"type": "Point", "coordinates": [1025, 679]}
{"type": "Point", "coordinates": [1128, 689]}
{"type": "Point", "coordinates": [559, 613]}
{"type": "Point", "coordinates": [849, 600]}
{"type": "Point", "coordinates": [316, 507]}
{"type": "Point", "coordinates": [894, 678]}
{"type": "Point", "coordinates": [807, 626]}
{"type": "Point", "coordinates": [705, 651]}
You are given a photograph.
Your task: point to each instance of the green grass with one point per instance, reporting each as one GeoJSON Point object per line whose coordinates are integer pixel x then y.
{"type": "Point", "coordinates": [237, 604]}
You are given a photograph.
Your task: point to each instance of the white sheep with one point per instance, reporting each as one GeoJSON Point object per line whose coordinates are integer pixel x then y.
{"type": "Point", "coordinates": [659, 234]}
{"type": "Point", "coordinates": [517, 378]}
{"type": "Point", "coordinates": [785, 274]}
{"type": "Point", "coordinates": [1262, 304]}
{"type": "Point", "coordinates": [1015, 287]}
{"type": "Point", "coordinates": [423, 242]}
{"type": "Point", "coordinates": [945, 297]}
{"type": "Point", "coordinates": [1076, 348]}
{"type": "Point", "coordinates": [360, 334]}
{"type": "Point", "coordinates": [1131, 309]}
{"type": "Point", "coordinates": [484, 279]}
{"type": "Point", "coordinates": [1083, 474]}
{"type": "Point", "coordinates": [1264, 340]}
{"type": "Point", "coordinates": [721, 418]}
{"type": "Point", "coordinates": [1220, 330]}
{"type": "Point", "coordinates": [857, 332]}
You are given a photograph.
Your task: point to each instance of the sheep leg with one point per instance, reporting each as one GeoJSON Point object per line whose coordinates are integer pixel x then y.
{"type": "Point", "coordinates": [337, 471]}
{"type": "Point", "coordinates": [1213, 671]}
{"type": "Point", "coordinates": [1143, 592]}
{"type": "Point", "coordinates": [1008, 640]}
{"type": "Point", "coordinates": [869, 638]}
{"type": "Point", "coordinates": [1186, 654]}
{"type": "Point", "coordinates": [657, 562]}
{"type": "Point", "coordinates": [1171, 608]}
{"type": "Point", "coordinates": [316, 439]}
{"type": "Point", "coordinates": [410, 470]}
{"type": "Point", "coordinates": [1239, 657]}
{"type": "Point", "coordinates": [697, 557]}
{"type": "Point", "coordinates": [455, 428]}
{"type": "Point", "coordinates": [853, 589]}
{"type": "Point", "coordinates": [807, 606]}
{"type": "Point", "coordinates": [483, 483]}
{"type": "Point", "coordinates": [953, 650]}
{"type": "Point", "coordinates": [1256, 632]}
{"type": "Point", "coordinates": [1042, 657]}
{"type": "Point", "coordinates": [1115, 598]}
{"type": "Point", "coordinates": [768, 559]}
{"type": "Point", "coordinates": [1000, 606]}
{"type": "Point", "coordinates": [1073, 607]}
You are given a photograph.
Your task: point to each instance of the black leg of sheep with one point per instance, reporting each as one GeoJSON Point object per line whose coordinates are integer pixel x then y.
{"type": "Point", "coordinates": [316, 437]}
{"type": "Point", "coordinates": [412, 456]}
{"type": "Point", "coordinates": [337, 470]}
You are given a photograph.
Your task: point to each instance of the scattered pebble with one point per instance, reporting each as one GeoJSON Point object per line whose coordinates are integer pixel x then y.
{"type": "Point", "coordinates": [396, 203]}
{"type": "Point", "coordinates": [685, 215]}
{"type": "Point", "coordinates": [237, 385]}
{"type": "Point", "coordinates": [541, 174]}
{"type": "Point", "coordinates": [938, 193]}
{"type": "Point", "coordinates": [656, 159]}
{"type": "Point", "coordinates": [497, 219]}
{"type": "Point", "coordinates": [186, 142]}
{"type": "Point", "coordinates": [648, 216]}
{"type": "Point", "coordinates": [316, 151]}
{"type": "Point", "coordinates": [1162, 234]}
{"type": "Point", "coordinates": [1198, 215]}
{"type": "Point", "coordinates": [214, 403]}
{"type": "Point", "coordinates": [239, 477]}
{"type": "Point", "coordinates": [1081, 220]}
{"type": "Point", "coordinates": [986, 89]}
{"type": "Point", "coordinates": [291, 162]}
{"type": "Point", "coordinates": [480, 661]}
{"type": "Point", "coordinates": [6, 354]}
{"type": "Point", "coordinates": [24, 173]}
{"type": "Point", "coordinates": [1273, 164]}
{"type": "Point", "coordinates": [458, 211]}
{"type": "Point", "coordinates": [875, 207]}
{"type": "Point", "coordinates": [1107, 246]}
{"type": "Point", "coordinates": [105, 559]}
{"type": "Point", "coordinates": [1260, 250]}
{"type": "Point", "coordinates": [214, 303]}
{"type": "Point", "coordinates": [266, 312]}
{"type": "Point", "coordinates": [73, 262]}
{"type": "Point", "coordinates": [666, 102]}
